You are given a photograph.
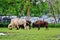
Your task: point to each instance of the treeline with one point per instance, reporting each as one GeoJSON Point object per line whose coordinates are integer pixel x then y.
{"type": "Point", "coordinates": [37, 7]}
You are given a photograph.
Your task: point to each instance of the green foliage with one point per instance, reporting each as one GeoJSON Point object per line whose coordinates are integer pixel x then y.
{"type": "Point", "coordinates": [57, 25]}
{"type": "Point", "coordinates": [4, 24]}
{"type": "Point", "coordinates": [19, 7]}
{"type": "Point", "coordinates": [14, 7]}
{"type": "Point", "coordinates": [39, 9]}
{"type": "Point", "coordinates": [10, 7]}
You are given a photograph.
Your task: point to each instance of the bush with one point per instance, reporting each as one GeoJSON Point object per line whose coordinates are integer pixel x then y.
{"type": "Point", "coordinates": [4, 24]}
{"type": "Point", "coordinates": [54, 25]}
{"type": "Point", "coordinates": [49, 25]}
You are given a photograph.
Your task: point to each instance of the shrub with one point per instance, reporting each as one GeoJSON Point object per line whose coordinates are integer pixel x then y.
{"type": "Point", "coordinates": [49, 25]}
{"type": "Point", "coordinates": [54, 25]}
{"type": "Point", "coordinates": [4, 24]}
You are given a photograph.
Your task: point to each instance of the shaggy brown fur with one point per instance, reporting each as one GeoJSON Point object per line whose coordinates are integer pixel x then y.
{"type": "Point", "coordinates": [40, 23]}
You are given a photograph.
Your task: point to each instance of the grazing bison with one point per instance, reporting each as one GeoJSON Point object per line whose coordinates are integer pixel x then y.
{"type": "Point", "coordinates": [16, 22]}
{"type": "Point", "coordinates": [40, 23]}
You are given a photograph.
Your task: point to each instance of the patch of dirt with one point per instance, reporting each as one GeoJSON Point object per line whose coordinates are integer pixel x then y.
{"type": "Point", "coordinates": [56, 36]}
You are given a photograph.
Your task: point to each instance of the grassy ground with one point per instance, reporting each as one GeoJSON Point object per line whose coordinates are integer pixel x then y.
{"type": "Point", "coordinates": [33, 34]}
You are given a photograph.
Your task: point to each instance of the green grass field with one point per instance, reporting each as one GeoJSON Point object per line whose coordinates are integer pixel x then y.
{"type": "Point", "coordinates": [33, 34]}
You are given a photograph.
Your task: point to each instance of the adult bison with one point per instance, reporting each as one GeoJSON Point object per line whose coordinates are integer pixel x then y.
{"type": "Point", "coordinates": [40, 23]}
{"type": "Point", "coordinates": [16, 22]}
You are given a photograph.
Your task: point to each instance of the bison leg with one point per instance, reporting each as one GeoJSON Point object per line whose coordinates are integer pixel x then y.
{"type": "Point", "coordinates": [46, 27]}
{"type": "Point", "coordinates": [25, 26]}
{"type": "Point", "coordinates": [17, 27]}
{"type": "Point", "coordinates": [33, 26]}
{"type": "Point", "coordinates": [38, 27]}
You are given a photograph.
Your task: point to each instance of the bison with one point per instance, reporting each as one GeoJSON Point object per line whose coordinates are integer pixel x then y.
{"type": "Point", "coordinates": [40, 23]}
{"type": "Point", "coordinates": [16, 22]}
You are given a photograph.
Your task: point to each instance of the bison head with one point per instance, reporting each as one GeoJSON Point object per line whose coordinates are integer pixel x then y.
{"type": "Point", "coordinates": [10, 26]}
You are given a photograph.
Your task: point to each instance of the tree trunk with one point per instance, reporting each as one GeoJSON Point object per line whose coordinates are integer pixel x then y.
{"type": "Point", "coordinates": [51, 9]}
{"type": "Point", "coordinates": [28, 13]}
{"type": "Point", "coordinates": [58, 14]}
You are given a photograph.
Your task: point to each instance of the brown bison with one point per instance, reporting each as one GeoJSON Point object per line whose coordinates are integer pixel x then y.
{"type": "Point", "coordinates": [16, 22]}
{"type": "Point", "coordinates": [40, 23]}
